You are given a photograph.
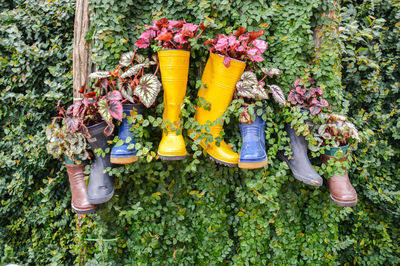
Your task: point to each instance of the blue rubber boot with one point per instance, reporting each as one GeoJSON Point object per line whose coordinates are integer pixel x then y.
{"type": "Point", "coordinates": [121, 154]}
{"type": "Point", "coordinates": [252, 154]}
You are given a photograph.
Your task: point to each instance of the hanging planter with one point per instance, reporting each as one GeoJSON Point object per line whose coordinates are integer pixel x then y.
{"type": "Point", "coordinates": [336, 132]}
{"type": "Point", "coordinates": [73, 149]}
{"type": "Point", "coordinates": [122, 154]}
{"type": "Point", "coordinates": [252, 153]}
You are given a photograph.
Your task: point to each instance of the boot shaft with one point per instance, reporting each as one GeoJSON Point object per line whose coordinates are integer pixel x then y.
{"type": "Point", "coordinates": [98, 140]}
{"type": "Point", "coordinates": [125, 126]}
{"type": "Point", "coordinates": [174, 68]}
{"type": "Point", "coordinates": [254, 131]}
{"type": "Point", "coordinates": [220, 84]}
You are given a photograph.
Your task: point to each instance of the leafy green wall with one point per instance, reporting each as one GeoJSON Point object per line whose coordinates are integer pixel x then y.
{"type": "Point", "coordinates": [197, 212]}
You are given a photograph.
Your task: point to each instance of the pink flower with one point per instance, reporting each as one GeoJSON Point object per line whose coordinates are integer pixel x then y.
{"type": "Point", "coordinates": [260, 45]}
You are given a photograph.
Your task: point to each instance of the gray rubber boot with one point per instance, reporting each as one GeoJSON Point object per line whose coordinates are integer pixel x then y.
{"type": "Point", "coordinates": [300, 164]}
{"type": "Point", "coordinates": [101, 185]}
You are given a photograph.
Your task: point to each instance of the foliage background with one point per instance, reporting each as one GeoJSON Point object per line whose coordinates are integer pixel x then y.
{"type": "Point", "coordinates": [197, 212]}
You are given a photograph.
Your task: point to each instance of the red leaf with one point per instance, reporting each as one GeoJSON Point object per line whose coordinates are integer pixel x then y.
{"type": "Point", "coordinates": [297, 82]}
{"type": "Point", "coordinates": [323, 103]}
{"type": "Point", "coordinates": [114, 95]}
{"type": "Point", "coordinates": [90, 94]}
{"type": "Point", "coordinates": [227, 61]}
{"type": "Point", "coordinates": [165, 37]}
{"type": "Point", "coordinates": [315, 110]}
{"type": "Point", "coordinates": [72, 124]}
{"type": "Point", "coordinates": [115, 109]}
{"type": "Point", "coordinates": [209, 42]}
{"type": "Point", "coordinates": [299, 99]}
{"type": "Point", "coordinates": [240, 31]}
{"type": "Point", "coordinates": [161, 22]}
{"type": "Point", "coordinates": [202, 27]}
{"type": "Point", "coordinates": [255, 34]}
{"type": "Point", "coordinates": [77, 107]}
{"type": "Point", "coordinates": [299, 90]}
{"type": "Point", "coordinates": [82, 89]}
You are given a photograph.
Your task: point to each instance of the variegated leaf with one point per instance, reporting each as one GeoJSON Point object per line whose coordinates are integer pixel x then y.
{"type": "Point", "coordinates": [244, 90]}
{"type": "Point", "coordinates": [249, 77]}
{"type": "Point", "coordinates": [104, 112]}
{"type": "Point", "coordinates": [148, 89]}
{"type": "Point", "coordinates": [277, 94]}
{"type": "Point", "coordinates": [259, 92]}
{"type": "Point", "coordinates": [100, 75]}
{"type": "Point", "coordinates": [127, 94]}
{"type": "Point", "coordinates": [132, 71]}
{"type": "Point", "coordinates": [126, 59]}
{"type": "Point", "coordinates": [270, 71]}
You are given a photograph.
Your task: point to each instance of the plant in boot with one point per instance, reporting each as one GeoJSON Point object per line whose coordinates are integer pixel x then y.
{"type": "Point", "coordinates": [221, 73]}
{"type": "Point", "coordinates": [253, 154]}
{"type": "Point", "coordinates": [93, 115]}
{"type": "Point", "coordinates": [174, 39]}
{"type": "Point", "coordinates": [73, 148]}
{"type": "Point", "coordinates": [139, 86]}
{"type": "Point", "coordinates": [240, 45]}
{"type": "Point", "coordinates": [335, 134]}
{"type": "Point", "coordinates": [308, 98]}
{"type": "Point", "coordinates": [170, 34]}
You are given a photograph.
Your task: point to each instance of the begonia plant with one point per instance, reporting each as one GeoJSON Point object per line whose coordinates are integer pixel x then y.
{"type": "Point", "coordinates": [307, 97]}
{"type": "Point", "coordinates": [170, 34]}
{"type": "Point", "coordinates": [241, 45]}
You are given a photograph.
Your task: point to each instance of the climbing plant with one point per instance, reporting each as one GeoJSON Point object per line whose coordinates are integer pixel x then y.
{"type": "Point", "coordinates": [195, 211]}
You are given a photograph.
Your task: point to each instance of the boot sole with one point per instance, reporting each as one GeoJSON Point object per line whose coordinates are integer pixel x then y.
{"type": "Point", "coordinates": [171, 158]}
{"type": "Point", "coordinates": [252, 165]}
{"type": "Point", "coordinates": [222, 162]}
{"type": "Point", "coordinates": [101, 200]}
{"type": "Point", "coordinates": [80, 211]}
{"type": "Point", "coordinates": [344, 203]}
{"type": "Point", "coordinates": [123, 160]}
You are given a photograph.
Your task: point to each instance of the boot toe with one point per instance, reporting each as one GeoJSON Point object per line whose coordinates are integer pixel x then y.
{"type": "Point", "coordinates": [122, 151]}
{"type": "Point", "coordinates": [223, 153]}
{"type": "Point", "coordinates": [172, 145]}
{"type": "Point", "coordinates": [309, 177]}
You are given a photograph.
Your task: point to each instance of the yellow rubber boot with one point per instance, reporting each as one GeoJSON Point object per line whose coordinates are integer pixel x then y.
{"type": "Point", "coordinates": [220, 84]}
{"type": "Point", "coordinates": [174, 67]}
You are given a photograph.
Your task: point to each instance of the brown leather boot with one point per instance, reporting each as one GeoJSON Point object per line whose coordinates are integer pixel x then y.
{"type": "Point", "coordinates": [79, 202]}
{"type": "Point", "coordinates": [342, 192]}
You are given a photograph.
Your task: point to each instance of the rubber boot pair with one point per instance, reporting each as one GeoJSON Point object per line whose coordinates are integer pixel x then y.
{"type": "Point", "coordinates": [220, 84]}
{"type": "Point", "coordinates": [79, 203]}
{"type": "Point", "coordinates": [122, 154]}
{"type": "Point", "coordinates": [342, 193]}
